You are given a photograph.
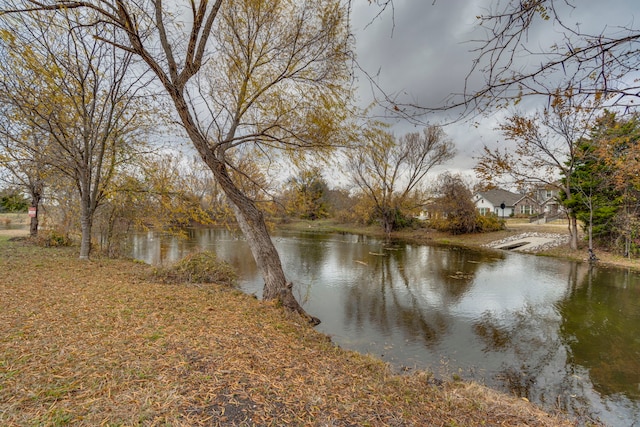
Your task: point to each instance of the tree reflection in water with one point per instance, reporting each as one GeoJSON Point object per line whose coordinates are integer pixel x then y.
{"type": "Point", "coordinates": [398, 288]}
{"type": "Point", "coordinates": [600, 323]}
{"type": "Point", "coordinates": [587, 342]}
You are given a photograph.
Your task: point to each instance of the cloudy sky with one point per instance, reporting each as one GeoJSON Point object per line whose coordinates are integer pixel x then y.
{"type": "Point", "coordinates": [419, 50]}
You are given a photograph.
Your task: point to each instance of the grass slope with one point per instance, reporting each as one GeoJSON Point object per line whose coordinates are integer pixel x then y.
{"type": "Point", "coordinates": [97, 343]}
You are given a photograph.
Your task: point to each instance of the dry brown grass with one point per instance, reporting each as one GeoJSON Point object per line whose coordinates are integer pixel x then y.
{"type": "Point", "coordinates": [95, 344]}
{"type": "Point", "coordinates": [14, 219]}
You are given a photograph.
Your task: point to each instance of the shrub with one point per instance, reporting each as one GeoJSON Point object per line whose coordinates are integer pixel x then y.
{"type": "Point", "coordinates": [489, 223]}
{"type": "Point", "coordinates": [13, 201]}
{"type": "Point", "coordinates": [53, 238]}
{"type": "Point", "coordinates": [458, 225]}
{"type": "Point", "coordinates": [198, 267]}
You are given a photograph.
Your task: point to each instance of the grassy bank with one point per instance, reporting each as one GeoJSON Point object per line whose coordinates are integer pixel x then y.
{"type": "Point", "coordinates": [98, 343]}
{"type": "Point", "coordinates": [9, 220]}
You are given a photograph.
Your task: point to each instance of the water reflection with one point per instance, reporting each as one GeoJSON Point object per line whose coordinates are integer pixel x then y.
{"type": "Point", "coordinates": [558, 333]}
{"type": "Point", "coordinates": [384, 297]}
{"type": "Point", "coordinates": [600, 321]}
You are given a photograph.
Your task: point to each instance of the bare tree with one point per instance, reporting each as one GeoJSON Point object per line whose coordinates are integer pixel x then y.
{"type": "Point", "coordinates": [23, 155]}
{"type": "Point", "coordinates": [389, 171]}
{"type": "Point", "coordinates": [74, 89]}
{"type": "Point", "coordinates": [546, 149]}
{"type": "Point", "coordinates": [23, 147]}
{"type": "Point", "coordinates": [598, 65]}
{"type": "Point", "coordinates": [511, 63]}
{"type": "Point", "coordinates": [454, 201]}
{"type": "Point", "coordinates": [285, 60]}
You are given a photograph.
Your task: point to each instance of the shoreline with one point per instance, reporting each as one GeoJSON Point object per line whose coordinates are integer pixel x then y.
{"type": "Point", "coordinates": [97, 342]}
{"type": "Point", "coordinates": [554, 238]}
{"type": "Point", "coordinates": [548, 239]}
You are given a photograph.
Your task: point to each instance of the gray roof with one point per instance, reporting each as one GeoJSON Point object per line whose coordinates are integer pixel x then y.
{"type": "Point", "coordinates": [497, 195]}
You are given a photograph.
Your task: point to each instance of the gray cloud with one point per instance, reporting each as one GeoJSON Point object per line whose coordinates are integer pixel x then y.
{"type": "Point", "coordinates": [421, 53]}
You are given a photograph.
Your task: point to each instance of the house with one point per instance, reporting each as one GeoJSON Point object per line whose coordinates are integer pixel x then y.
{"type": "Point", "coordinates": [527, 206]}
{"type": "Point", "coordinates": [547, 198]}
{"type": "Point", "coordinates": [542, 201]}
{"type": "Point", "coordinates": [502, 203]}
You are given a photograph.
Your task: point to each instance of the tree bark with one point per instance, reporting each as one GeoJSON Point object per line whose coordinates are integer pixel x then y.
{"type": "Point", "coordinates": [592, 255]}
{"type": "Point", "coordinates": [33, 225]}
{"type": "Point", "coordinates": [86, 222]}
{"type": "Point", "coordinates": [573, 232]}
{"type": "Point", "coordinates": [251, 222]}
{"type": "Point", "coordinates": [590, 229]}
{"type": "Point", "coordinates": [249, 217]}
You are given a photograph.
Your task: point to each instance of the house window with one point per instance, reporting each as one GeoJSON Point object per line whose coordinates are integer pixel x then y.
{"type": "Point", "coordinates": [549, 194]}
{"type": "Point", "coordinates": [484, 211]}
{"type": "Point", "coordinates": [526, 209]}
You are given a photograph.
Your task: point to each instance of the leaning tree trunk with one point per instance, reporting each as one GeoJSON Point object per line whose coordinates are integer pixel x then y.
{"type": "Point", "coordinates": [249, 217]}
{"type": "Point", "coordinates": [251, 222]}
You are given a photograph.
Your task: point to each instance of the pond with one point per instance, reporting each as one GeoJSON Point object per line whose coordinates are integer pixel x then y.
{"type": "Point", "coordinates": [561, 334]}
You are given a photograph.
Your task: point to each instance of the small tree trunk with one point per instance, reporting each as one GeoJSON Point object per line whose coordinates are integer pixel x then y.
{"type": "Point", "coordinates": [388, 227]}
{"type": "Point", "coordinates": [591, 231]}
{"type": "Point", "coordinates": [592, 255]}
{"type": "Point", "coordinates": [85, 227]}
{"type": "Point", "coordinates": [573, 232]}
{"type": "Point", "coordinates": [33, 225]}
{"type": "Point", "coordinates": [387, 220]}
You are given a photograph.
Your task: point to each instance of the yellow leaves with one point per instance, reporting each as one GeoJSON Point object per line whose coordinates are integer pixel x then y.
{"type": "Point", "coordinates": [7, 36]}
{"type": "Point", "coordinates": [285, 77]}
{"type": "Point", "coordinates": [617, 146]}
{"type": "Point", "coordinates": [494, 164]}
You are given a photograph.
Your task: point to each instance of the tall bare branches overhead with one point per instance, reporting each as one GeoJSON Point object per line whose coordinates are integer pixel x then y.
{"type": "Point", "coordinates": [600, 64]}
{"type": "Point", "coordinates": [517, 49]}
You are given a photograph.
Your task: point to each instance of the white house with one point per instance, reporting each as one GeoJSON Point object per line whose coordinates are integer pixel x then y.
{"type": "Point", "coordinates": [497, 201]}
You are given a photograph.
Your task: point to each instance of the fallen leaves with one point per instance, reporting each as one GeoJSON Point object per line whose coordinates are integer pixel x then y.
{"type": "Point", "coordinates": [94, 343]}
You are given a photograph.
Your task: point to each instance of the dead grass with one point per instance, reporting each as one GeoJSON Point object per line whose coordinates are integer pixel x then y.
{"type": "Point", "coordinates": [197, 267]}
{"type": "Point", "coordinates": [95, 344]}
{"type": "Point", "coordinates": [513, 227]}
{"type": "Point", "coordinates": [426, 235]}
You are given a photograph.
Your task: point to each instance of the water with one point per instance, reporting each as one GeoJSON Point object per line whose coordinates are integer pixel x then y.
{"type": "Point", "coordinates": [559, 333]}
